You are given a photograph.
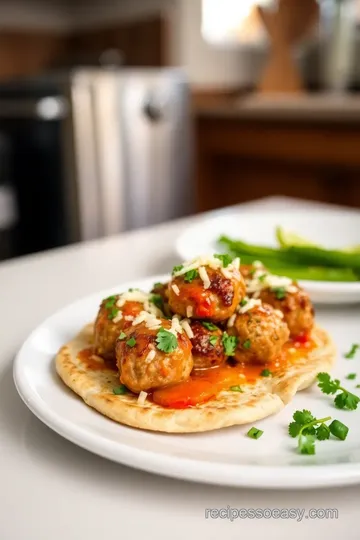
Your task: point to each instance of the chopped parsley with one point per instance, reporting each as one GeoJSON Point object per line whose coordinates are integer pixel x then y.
{"type": "Point", "coordinates": [243, 302]}
{"type": "Point", "coordinates": [351, 376]}
{"type": "Point", "coordinates": [157, 285]}
{"type": "Point", "coordinates": [230, 344]}
{"type": "Point", "coordinates": [247, 344]}
{"type": "Point", "coordinates": [354, 348]}
{"type": "Point", "coordinates": [344, 399]}
{"type": "Point", "coordinates": [190, 276]}
{"type": "Point", "coordinates": [254, 433]}
{"type": "Point", "coordinates": [209, 325]}
{"type": "Point", "coordinates": [112, 313]}
{"type": "Point", "coordinates": [225, 258]}
{"type": "Point", "coordinates": [213, 340]}
{"type": "Point", "coordinates": [236, 388]}
{"type": "Point", "coordinates": [131, 342]}
{"type": "Point", "coordinates": [120, 390]}
{"type": "Point", "coordinates": [262, 278]}
{"type": "Point", "coordinates": [177, 268]}
{"type": "Point", "coordinates": [308, 429]}
{"type": "Point", "coordinates": [157, 300]}
{"type": "Point", "coordinates": [122, 336]}
{"type": "Point", "coordinates": [166, 341]}
{"type": "Point", "coordinates": [266, 373]}
{"type": "Point", "coordinates": [280, 292]}
{"type": "Point", "coordinates": [110, 302]}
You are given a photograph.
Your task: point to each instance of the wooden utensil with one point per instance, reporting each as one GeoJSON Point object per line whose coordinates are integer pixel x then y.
{"type": "Point", "coordinates": [286, 25]}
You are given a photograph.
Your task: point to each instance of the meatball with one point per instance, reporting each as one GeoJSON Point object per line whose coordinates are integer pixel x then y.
{"type": "Point", "coordinates": [261, 333]}
{"type": "Point", "coordinates": [144, 367]}
{"type": "Point", "coordinates": [109, 324]}
{"type": "Point", "coordinates": [208, 350]}
{"type": "Point", "coordinates": [247, 270]}
{"type": "Point", "coordinates": [207, 293]}
{"type": "Point", "coordinates": [296, 306]}
{"type": "Point", "coordinates": [160, 292]}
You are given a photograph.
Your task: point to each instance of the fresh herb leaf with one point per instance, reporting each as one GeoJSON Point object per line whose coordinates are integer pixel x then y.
{"type": "Point", "coordinates": [266, 373]}
{"type": "Point", "coordinates": [236, 388]}
{"type": "Point", "coordinates": [280, 292]}
{"type": "Point", "coordinates": [354, 348]}
{"type": "Point", "coordinates": [339, 430]}
{"type": "Point", "coordinates": [303, 417]}
{"type": "Point", "coordinates": [120, 390]}
{"type": "Point", "coordinates": [213, 340]}
{"type": "Point", "coordinates": [157, 300]}
{"type": "Point", "coordinates": [110, 302]}
{"type": "Point", "coordinates": [131, 342]}
{"type": "Point", "coordinates": [122, 336]}
{"type": "Point", "coordinates": [247, 344]}
{"type": "Point", "coordinates": [357, 386]}
{"type": "Point", "coordinates": [225, 258]}
{"type": "Point", "coordinates": [322, 432]}
{"type": "Point", "coordinates": [306, 444]}
{"type": "Point", "coordinates": [157, 285]}
{"type": "Point", "coordinates": [262, 278]}
{"type": "Point", "coordinates": [230, 344]}
{"type": "Point", "coordinates": [243, 302]}
{"type": "Point", "coordinates": [351, 376]}
{"type": "Point", "coordinates": [166, 341]}
{"type": "Point", "coordinates": [190, 276]}
{"type": "Point", "coordinates": [254, 433]}
{"type": "Point", "coordinates": [209, 325]}
{"type": "Point", "coordinates": [112, 313]}
{"type": "Point", "coordinates": [344, 400]}
{"type": "Point", "coordinates": [294, 429]}
{"type": "Point", "coordinates": [177, 268]}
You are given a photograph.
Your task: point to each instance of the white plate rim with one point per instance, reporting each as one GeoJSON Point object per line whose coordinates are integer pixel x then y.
{"type": "Point", "coordinates": [207, 472]}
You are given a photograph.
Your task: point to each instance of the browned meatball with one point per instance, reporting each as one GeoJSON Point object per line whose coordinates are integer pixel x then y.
{"type": "Point", "coordinates": [261, 334]}
{"type": "Point", "coordinates": [144, 367]}
{"type": "Point", "coordinates": [208, 349]}
{"type": "Point", "coordinates": [248, 270]}
{"type": "Point", "coordinates": [108, 326]}
{"type": "Point", "coordinates": [296, 306]}
{"type": "Point", "coordinates": [216, 300]}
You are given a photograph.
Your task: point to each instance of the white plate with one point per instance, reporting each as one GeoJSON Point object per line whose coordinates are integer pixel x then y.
{"type": "Point", "coordinates": [224, 457]}
{"type": "Point", "coordinates": [330, 228]}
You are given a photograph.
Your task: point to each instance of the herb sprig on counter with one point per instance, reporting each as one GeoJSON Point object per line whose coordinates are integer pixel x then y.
{"type": "Point", "coordinates": [344, 399]}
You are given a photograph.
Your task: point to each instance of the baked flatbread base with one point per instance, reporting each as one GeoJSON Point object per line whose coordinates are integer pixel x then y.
{"type": "Point", "coordinates": [264, 398]}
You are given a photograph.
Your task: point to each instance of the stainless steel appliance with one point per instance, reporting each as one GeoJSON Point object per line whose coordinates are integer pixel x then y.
{"type": "Point", "coordinates": [97, 151]}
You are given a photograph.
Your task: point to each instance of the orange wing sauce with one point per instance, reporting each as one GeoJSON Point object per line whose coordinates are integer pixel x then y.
{"type": "Point", "coordinates": [92, 361]}
{"type": "Point", "coordinates": [204, 385]}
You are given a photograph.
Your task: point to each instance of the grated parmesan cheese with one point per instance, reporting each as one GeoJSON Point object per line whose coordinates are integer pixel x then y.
{"type": "Point", "coordinates": [204, 276]}
{"type": "Point", "coordinates": [250, 304]}
{"type": "Point", "coordinates": [142, 397]}
{"type": "Point", "coordinates": [176, 327]}
{"type": "Point", "coordinates": [150, 356]}
{"type": "Point", "coordinates": [187, 328]}
{"type": "Point", "coordinates": [261, 280]}
{"type": "Point", "coordinates": [211, 262]}
{"type": "Point", "coordinates": [176, 289]}
{"type": "Point", "coordinates": [149, 319]}
{"type": "Point", "coordinates": [189, 311]}
{"type": "Point", "coordinates": [118, 317]}
{"type": "Point", "coordinates": [231, 321]}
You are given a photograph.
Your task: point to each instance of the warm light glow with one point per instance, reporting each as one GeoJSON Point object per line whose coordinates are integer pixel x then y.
{"type": "Point", "coordinates": [226, 21]}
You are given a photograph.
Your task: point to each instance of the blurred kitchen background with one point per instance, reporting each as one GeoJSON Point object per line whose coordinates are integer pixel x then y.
{"type": "Point", "coordinates": [119, 114]}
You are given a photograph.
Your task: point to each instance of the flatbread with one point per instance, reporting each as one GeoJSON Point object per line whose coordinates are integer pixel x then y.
{"type": "Point", "coordinates": [265, 397]}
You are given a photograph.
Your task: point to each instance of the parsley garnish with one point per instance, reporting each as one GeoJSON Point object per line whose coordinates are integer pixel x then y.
{"type": "Point", "coordinates": [243, 302]}
{"type": "Point", "coordinates": [236, 388]}
{"type": "Point", "coordinates": [262, 278]}
{"type": "Point", "coordinates": [166, 341]}
{"type": "Point", "coordinates": [122, 336]}
{"type": "Point", "coordinates": [120, 390]}
{"type": "Point", "coordinates": [190, 276]}
{"type": "Point", "coordinates": [230, 344]}
{"type": "Point", "coordinates": [177, 268]}
{"type": "Point", "coordinates": [157, 300]}
{"type": "Point", "coordinates": [308, 428]}
{"type": "Point", "coordinates": [266, 373]}
{"type": "Point", "coordinates": [209, 325]}
{"type": "Point", "coordinates": [110, 302]}
{"type": "Point", "coordinates": [213, 340]}
{"type": "Point", "coordinates": [343, 400]}
{"type": "Point", "coordinates": [353, 351]}
{"type": "Point", "coordinates": [254, 433]}
{"type": "Point", "coordinates": [112, 313]}
{"type": "Point", "coordinates": [247, 344]}
{"type": "Point", "coordinates": [280, 292]}
{"type": "Point", "coordinates": [131, 342]}
{"type": "Point", "coordinates": [224, 258]}
{"type": "Point", "coordinates": [351, 376]}
{"type": "Point", "coordinates": [157, 285]}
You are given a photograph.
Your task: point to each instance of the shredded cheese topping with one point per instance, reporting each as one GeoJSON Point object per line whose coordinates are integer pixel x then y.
{"type": "Point", "coordinates": [204, 276]}
{"type": "Point", "coordinates": [176, 327]}
{"type": "Point", "coordinates": [187, 328]}
{"type": "Point", "coordinates": [118, 317]}
{"type": "Point", "coordinates": [251, 303]}
{"type": "Point", "coordinates": [176, 289]}
{"type": "Point", "coordinates": [261, 280]}
{"type": "Point", "coordinates": [231, 320]}
{"type": "Point", "coordinates": [142, 397]}
{"type": "Point", "coordinates": [189, 311]}
{"type": "Point", "coordinates": [210, 261]}
{"type": "Point", "coordinates": [151, 322]}
{"type": "Point", "coordinates": [150, 356]}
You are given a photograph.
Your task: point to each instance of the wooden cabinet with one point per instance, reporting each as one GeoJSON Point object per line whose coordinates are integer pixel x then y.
{"type": "Point", "coordinates": [239, 159]}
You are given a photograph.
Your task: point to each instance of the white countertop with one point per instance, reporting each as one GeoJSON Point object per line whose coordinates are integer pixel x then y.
{"type": "Point", "coordinates": [53, 490]}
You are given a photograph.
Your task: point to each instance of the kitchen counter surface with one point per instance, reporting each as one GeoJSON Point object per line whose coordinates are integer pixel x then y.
{"type": "Point", "coordinates": [307, 107]}
{"type": "Point", "coordinates": [51, 489]}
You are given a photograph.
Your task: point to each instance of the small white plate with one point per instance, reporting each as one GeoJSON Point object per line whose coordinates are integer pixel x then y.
{"type": "Point", "coordinates": [329, 228]}
{"type": "Point", "coordinates": [225, 457]}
